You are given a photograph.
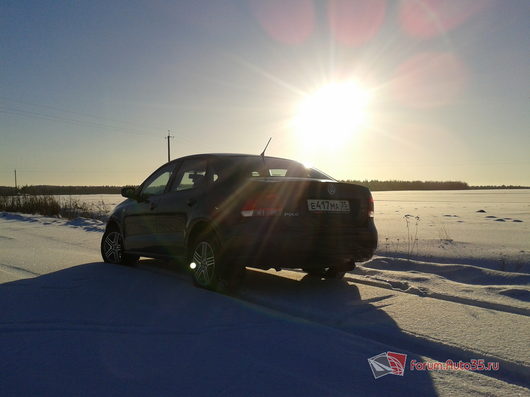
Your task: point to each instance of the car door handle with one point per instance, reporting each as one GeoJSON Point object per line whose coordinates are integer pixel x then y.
{"type": "Point", "coordinates": [192, 202]}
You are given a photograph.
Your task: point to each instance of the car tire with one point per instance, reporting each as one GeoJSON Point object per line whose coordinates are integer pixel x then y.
{"type": "Point", "coordinates": [315, 272]}
{"type": "Point", "coordinates": [209, 270]}
{"type": "Point", "coordinates": [334, 273]}
{"type": "Point", "coordinates": [112, 249]}
{"type": "Point", "coordinates": [205, 263]}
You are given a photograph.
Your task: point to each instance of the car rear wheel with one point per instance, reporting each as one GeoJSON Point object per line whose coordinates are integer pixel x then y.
{"type": "Point", "coordinates": [112, 249]}
{"type": "Point", "coordinates": [334, 273]}
{"type": "Point", "coordinates": [209, 268]}
{"type": "Point", "coordinates": [318, 272]}
{"type": "Point", "coordinates": [205, 263]}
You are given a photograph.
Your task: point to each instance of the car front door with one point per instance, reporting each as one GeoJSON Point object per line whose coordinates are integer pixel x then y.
{"type": "Point", "coordinates": [183, 201]}
{"type": "Point", "coordinates": [142, 229]}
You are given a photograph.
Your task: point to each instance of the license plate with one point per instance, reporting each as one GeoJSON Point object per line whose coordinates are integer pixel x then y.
{"type": "Point", "coordinates": [328, 205]}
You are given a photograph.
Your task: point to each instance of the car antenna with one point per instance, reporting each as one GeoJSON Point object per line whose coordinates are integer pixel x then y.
{"type": "Point", "coordinates": [266, 146]}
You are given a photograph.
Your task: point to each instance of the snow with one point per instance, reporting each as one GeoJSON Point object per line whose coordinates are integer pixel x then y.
{"type": "Point", "coordinates": [460, 251]}
{"type": "Point", "coordinates": [457, 226]}
{"type": "Point", "coordinates": [73, 325]}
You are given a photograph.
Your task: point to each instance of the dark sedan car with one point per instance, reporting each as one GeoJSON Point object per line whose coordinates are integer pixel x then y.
{"type": "Point", "coordinates": [220, 213]}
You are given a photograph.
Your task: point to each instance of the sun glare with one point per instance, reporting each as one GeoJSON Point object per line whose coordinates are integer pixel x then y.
{"type": "Point", "coordinates": [332, 114]}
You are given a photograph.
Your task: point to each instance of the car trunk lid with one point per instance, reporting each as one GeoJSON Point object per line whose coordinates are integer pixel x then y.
{"type": "Point", "coordinates": [304, 202]}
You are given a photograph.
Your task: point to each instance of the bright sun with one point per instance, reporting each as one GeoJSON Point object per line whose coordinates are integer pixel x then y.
{"type": "Point", "coordinates": [332, 114]}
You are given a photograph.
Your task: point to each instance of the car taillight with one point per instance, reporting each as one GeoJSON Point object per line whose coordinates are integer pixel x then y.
{"type": "Point", "coordinates": [371, 207]}
{"type": "Point", "coordinates": [265, 205]}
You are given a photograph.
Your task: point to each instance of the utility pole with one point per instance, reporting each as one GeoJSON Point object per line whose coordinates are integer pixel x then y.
{"type": "Point", "coordinates": [16, 186]}
{"type": "Point", "coordinates": [168, 137]}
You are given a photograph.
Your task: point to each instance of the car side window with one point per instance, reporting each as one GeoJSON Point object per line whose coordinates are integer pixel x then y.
{"type": "Point", "coordinates": [191, 175]}
{"type": "Point", "coordinates": [213, 172]}
{"type": "Point", "coordinates": [156, 183]}
{"type": "Point", "coordinates": [278, 171]}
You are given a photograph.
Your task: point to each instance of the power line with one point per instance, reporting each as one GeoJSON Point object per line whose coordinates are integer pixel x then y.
{"type": "Point", "coordinates": [71, 121]}
{"type": "Point", "coordinates": [76, 122]}
{"type": "Point", "coordinates": [83, 114]}
{"type": "Point", "coordinates": [24, 109]}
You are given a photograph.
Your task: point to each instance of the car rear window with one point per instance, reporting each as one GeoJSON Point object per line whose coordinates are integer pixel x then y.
{"type": "Point", "coordinates": [256, 167]}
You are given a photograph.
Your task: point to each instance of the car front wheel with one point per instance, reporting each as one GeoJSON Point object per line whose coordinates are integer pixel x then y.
{"type": "Point", "coordinates": [112, 249]}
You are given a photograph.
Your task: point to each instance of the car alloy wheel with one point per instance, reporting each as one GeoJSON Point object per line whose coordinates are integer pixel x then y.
{"type": "Point", "coordinates": [112, 247]}
{"type": "Point", "coordinates": [204, 258]}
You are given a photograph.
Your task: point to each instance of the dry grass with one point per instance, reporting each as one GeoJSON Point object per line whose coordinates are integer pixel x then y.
{"type": "Point", "coordinates": [51, 206]}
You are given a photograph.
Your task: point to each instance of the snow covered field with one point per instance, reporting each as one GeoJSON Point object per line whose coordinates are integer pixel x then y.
{"type": "Point", "coordinates": [453, 285]}
{"type": "Point", "coordinates": [111, 200]}
{"type": "Point", "coordinates": [464, 225]}
{"type": "Point", "coordinates": [467, 244]}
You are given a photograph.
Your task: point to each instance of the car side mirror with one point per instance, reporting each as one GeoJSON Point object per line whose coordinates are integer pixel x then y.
{"type": "Point", "coordinates": [129, 192]}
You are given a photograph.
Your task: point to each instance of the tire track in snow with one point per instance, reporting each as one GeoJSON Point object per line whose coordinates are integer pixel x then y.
{"type": "Point", "coordinates": [398, 339]}
{"type": "Point", "coordinates": [17, 271]}
{"type": "Point", "coordinates": [406, 288]}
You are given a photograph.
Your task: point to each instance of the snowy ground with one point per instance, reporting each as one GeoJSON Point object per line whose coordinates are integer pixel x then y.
{"type": "Point", "coordinates": [491, 227]}
{"type": "Point", "coordinates": [464, 245]}
{"type": "Point", "coordinates": [73, 325]}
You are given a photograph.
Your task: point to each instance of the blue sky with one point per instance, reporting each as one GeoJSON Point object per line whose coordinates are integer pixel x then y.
{"type": "Point", "coordinates": [88, 90]}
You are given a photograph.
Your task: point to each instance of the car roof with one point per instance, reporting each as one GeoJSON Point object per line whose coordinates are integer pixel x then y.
{"type": "Point", "coordinates": [231, 155]}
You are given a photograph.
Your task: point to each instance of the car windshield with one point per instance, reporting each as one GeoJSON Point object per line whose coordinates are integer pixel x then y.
{"type": "Point", "coordinates": [257, 167]}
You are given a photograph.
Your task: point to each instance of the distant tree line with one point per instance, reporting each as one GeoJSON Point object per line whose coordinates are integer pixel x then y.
{"type": "Point", "coordinates": [7, 191]}
{"type": "Point", "coordinates": [375, 185]}
{"type": "Point", "coordinates": [59, 190]}
{"type": "Point", "coordinates": [489, 187]}
{"type": "Point", "coordinates": [394, 185]}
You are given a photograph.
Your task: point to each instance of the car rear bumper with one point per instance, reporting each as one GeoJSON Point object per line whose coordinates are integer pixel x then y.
{"type": "Point", "coordinates": [264, 246]}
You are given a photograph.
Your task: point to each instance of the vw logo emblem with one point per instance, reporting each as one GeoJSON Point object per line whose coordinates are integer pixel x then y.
{"type": "Point", "coordinates": [331, 189]}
